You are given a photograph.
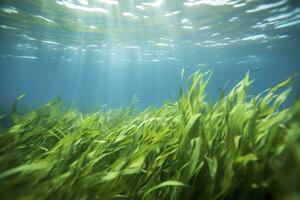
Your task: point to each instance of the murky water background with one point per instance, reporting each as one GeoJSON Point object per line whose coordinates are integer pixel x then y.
{"type": "Point", "coordinates": [107, 51]}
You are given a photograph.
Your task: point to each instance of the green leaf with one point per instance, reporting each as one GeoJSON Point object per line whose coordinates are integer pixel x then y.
{"type": "Point", "coordinates": [213, 166]}
{"type": "Point", "coordinates": [26, 168]}
{"type": "Point", "coordinates": [167, 184]}
{"type": "Point", "coordinates": [246, 158]}
{"type": "Point", "coordinates": [281, 85]}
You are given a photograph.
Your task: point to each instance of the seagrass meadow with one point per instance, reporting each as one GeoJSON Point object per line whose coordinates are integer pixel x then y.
{"type": "Point", "coordinates": [239, 147]}
{"type": "Point", "coordinates": [149, 100]}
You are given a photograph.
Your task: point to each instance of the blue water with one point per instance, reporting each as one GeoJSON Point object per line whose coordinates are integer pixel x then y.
{"type": "Point", "coordinates": [105, 52]}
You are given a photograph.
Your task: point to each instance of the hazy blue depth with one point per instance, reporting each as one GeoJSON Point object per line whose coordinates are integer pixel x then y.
{"type": "Point", "coordinates": [95, 52]}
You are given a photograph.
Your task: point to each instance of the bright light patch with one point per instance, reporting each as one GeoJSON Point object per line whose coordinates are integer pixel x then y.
{"type": "Point", "coordinates": [83, 2]}
{"type": "Point", "coordinates": [162, 44]}
{"type": "Point", "coordinates": [112, 2]}
{"type": "Point", "coordinates": [278, 17]}
{"type": "Point", "coordinates": [156, 3]}
{"type": "Point", "coordinates": [82, 8]}
{"type": "Point", "coordinates": [140, 7]}
{"type": "Point", "coordinates": [127, 14]}
{"type": "Point", "coordinates": [215, 34]}
{"type": "Point", "coordinates": [172, 13]}
{"type": "Point", "coordinates": [239, 5]}
{"type": "Point", "coordinates": [255, 37]}
{"type": "Point", "coordinates": [267, 6]}
{"type": "Point", "coordinates": [8, 27]}
{"type": "Point", "coordinates": [10, 10]}
{"type": "Point", "coordinates": [26, 46]}
{"type": "Point", "coordinates": [282, 36]}
{"type": "Point", "coordinates": [206, 2]}
{"type": "Point", "coordinates": [187, 27]}
{"type": "Point", "coordinates": [171, 58]}
{"type": "Point", "coordinates": [27, 57]}
{"type": "Point", "coordinates": [232, 19]}
{"type": "Point", "coordinates": [43, 18]}
{"type": "Point", "coordinates": [185, 21]}
{"type": "Point", "coordinates": [167, 39]}
{"type": "Point", "coordinates": [292, 23]}
{"type": "Point", "coordinates": [132, 47]}
{"type": "Point", "coordinates": [204, 27]}
{"type": "Point", "coordinates": [284, 15]}
{"type": "Point", "coordinates": [29, 38]}
{"type": "Point", "coordinates": [50, 42]}
{"type": "Point", "coordinates": [71, 48]}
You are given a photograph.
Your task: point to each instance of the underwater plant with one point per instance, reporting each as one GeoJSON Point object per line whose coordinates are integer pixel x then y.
{"type": "Point", "coordinates": [240, 147]}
